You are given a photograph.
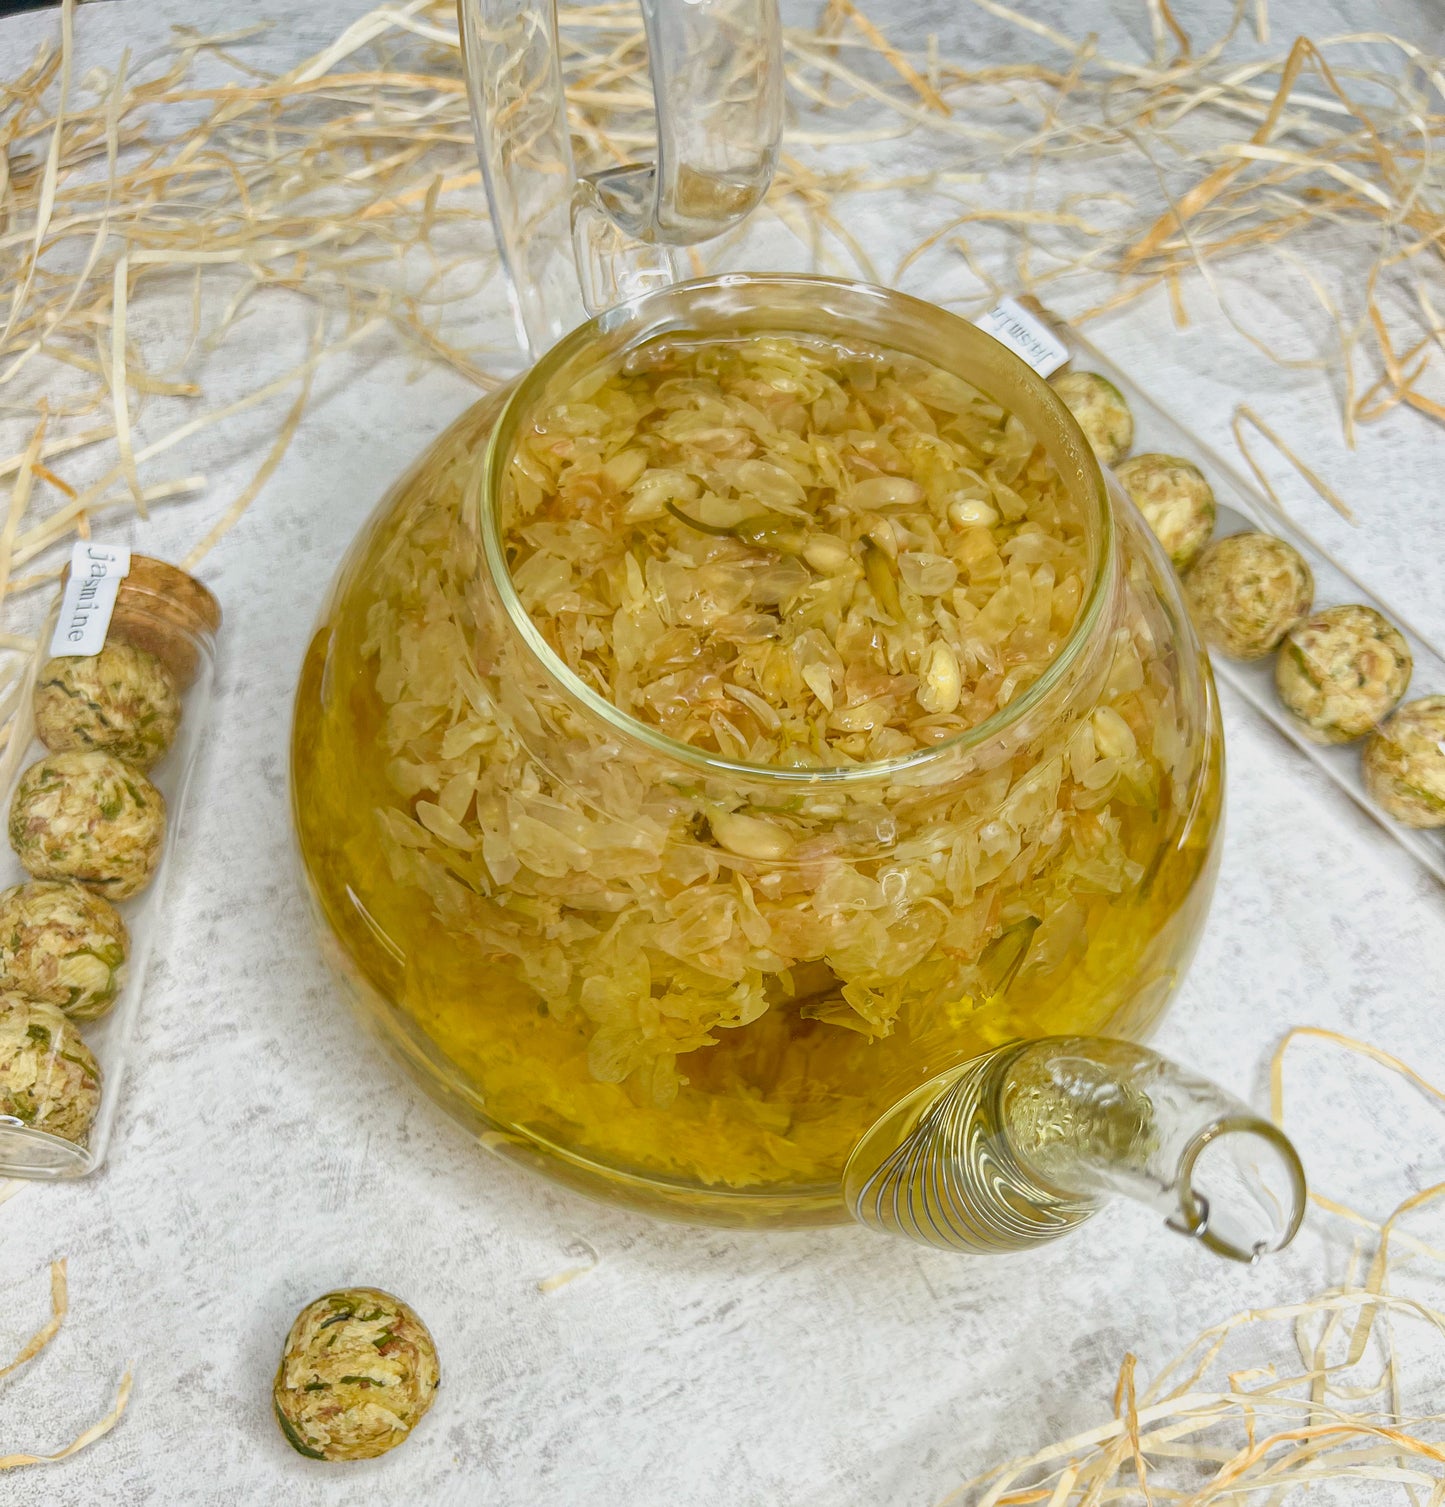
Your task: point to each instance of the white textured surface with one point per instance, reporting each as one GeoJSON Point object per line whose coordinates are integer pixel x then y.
{"type": "Point", "coordinates": [266, 1152]}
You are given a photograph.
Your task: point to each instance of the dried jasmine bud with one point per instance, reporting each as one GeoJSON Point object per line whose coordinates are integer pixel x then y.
{"type": "Point", "coordinates": [1404, 764]}
{"type": "Point", "coordinates": [48, 1078]}
{"type": "Point", "coordinates": [1176, 501]}
{"type": "Point", "coordinates": [1247, 592]}
{"type": "Point", "coordinates": [62, 945]}
{"type": "Point", "coordinates": [358, 1373]}
{"type": "Point", "coordinates": [88, 817]}
{"type": "Point", "coordinates": [1102, 413]}
{"type": "Point", "coordinates": [122, 700]}
{"type": "Point", "coordinates": [1341, 672]}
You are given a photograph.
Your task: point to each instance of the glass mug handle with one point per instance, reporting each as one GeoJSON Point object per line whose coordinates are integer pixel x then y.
{"type": "Point", "coordinates": [572, 246]}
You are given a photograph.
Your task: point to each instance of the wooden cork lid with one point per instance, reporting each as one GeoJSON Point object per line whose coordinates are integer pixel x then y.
{"type": "Point", "coordinates": [162, 609]}
{"type": "Point", "coordinates": [190, 600]}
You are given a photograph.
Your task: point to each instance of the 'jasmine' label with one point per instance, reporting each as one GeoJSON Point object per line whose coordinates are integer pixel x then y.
{"type": "Point", "coordinates": [96, 571]}
{"type": "Point", "coordinates": [1025, 336]}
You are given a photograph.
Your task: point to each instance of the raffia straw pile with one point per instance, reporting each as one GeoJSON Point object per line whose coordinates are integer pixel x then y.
{"type": "Point", "coordinates": [59, 1308]}
{"type": "Point", "coordinates": [1329, 1405]}
{"type": "Point", "coordinates": [348, 187]}
{"type": "Point", "coordinates": [1330, 1408]}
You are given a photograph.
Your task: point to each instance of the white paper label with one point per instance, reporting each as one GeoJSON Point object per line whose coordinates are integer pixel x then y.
{"type": "Point", "coordinates": [1025, 336]}
{"type": "Point", "coordinates": [96, 571]}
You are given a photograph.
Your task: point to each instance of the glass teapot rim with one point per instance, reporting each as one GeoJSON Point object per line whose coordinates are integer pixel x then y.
{"type": "Point", "coordinates": [841, 306]}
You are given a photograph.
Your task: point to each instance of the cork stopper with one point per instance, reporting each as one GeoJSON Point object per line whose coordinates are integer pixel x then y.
{"type": "Point", "coordinates": [162, 609]}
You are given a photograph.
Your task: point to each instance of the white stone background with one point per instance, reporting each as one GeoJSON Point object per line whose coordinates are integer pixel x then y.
{"type": "Point", "coordinates": [267, 1152]}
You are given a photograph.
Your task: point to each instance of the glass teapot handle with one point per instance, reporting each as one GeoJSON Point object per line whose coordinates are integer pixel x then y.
{"type": "Point", "coordinates": [573, 246]}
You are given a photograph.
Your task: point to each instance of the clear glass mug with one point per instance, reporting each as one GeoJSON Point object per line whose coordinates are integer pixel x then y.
{"type": "Point", "coordinates": [473, 945]}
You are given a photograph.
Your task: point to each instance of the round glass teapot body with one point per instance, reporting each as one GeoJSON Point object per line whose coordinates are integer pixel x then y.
{"type": "Point", "coordinates": [691, 983]}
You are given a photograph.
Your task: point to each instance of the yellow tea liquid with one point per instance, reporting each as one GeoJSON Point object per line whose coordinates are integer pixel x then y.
{"type": "Point", "coordinates": [756, 1125]}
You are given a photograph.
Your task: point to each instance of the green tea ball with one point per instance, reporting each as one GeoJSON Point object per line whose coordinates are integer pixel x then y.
{"type": "Point", "coordinates": [88, 817]}
{"type": "Point", "coordinates": [1404, 764]}
{"type": "Point", "coordinates": [122, 700]}
{"type": "Point", "coordinates": [62, 945]}
{"type": "Point", "coordinates": [1247, 591]}
{"type": "Point", "coordinates": [48, 1078]}
{"type": "Point", "coordinates": [1176, 501]}
{"type": "Point", "coordinates": [1102, 413]}
{"type": "Point", "coordinates": [358, 1373]}
{"type": "Point", "coordinates": [1342, 672]}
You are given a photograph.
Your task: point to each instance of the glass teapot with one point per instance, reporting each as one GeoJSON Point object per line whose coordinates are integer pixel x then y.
{"type": "Point", "coordinates": [758, 767]}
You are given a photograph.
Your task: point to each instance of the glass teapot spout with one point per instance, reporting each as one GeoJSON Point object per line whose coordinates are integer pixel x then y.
{"type": "Point", "coordinates": [1020, 1145]}
{"type": "Point", "coordinates": [572, 246]}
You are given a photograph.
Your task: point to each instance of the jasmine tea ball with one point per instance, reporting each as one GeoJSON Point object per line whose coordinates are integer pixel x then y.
{"type": "Point", "coordinates": [88, 817]}
{"type": "Point", "coordinates": [1404, 763]}
{"type": "Point", "coordinates": [1101, 412]}
{"type": "Point", "coordinates": [1176, 501]}
{"type": "Point", "coordinates": [1342, 672]}
{"type": "Point", "coordinates": [62, 945]}
{"type": "Point", "coordinates": [122, 700]}
{"type": "Point", "coordinates": [1247, 591]}
{"type": "Point", "coordinates": [48, 1078]}
{"type": "Point", "coordinates": [358, 1372]}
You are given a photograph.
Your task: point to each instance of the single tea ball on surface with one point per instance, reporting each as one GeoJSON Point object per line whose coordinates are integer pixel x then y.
{"type": "Point", "coordinates": [1247, 591]}
{"type": "Point", "coordinates": [88, 817]}
{"type": "Point", "coordinates": [62, 945]}
{"type": "Point", "coordinates": [1176, 501]}
{"type": "Point", "coordinates": [1342, 672]}
{"type": "Point", "coordinates": [1101, 411]}
{"type": "Point", "coordinates": [358, 1373]}
{"type": "Point", "coordinates": [48, 1078]}
{"type": "Point", "coordinates": [122, 700]}
{"type": "Point", "coordinates": [1404, 764]}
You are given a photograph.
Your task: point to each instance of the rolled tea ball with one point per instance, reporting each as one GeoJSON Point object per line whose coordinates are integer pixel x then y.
{"type": "Point", "coordinates": [48, 1077]}
{"type": "Point", "coordinates": [62, 945]}
{"type": "Point", "coordinates": [1176, 501]}
{"type": "Point", "coordinates": [88, 817]}
{"type": "Point", "coordinates": [1247, 591]}
{"type": "Point", "coordinates": [1101, 411]}
{"type": "Point", "coordinates": [358, 1372]}
{"type": "Point", "coordinates": [1404, 764]}
{"type": "Point", "coordinates": [1342, 672]}
{"type": "Point", "coordinates": [122, 700]}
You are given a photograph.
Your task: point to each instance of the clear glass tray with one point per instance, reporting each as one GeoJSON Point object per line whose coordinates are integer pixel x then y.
{"type": "Point", "coordinates": [1242, 507]}
{"type": "Point", "coordinates": [26, 1151]}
